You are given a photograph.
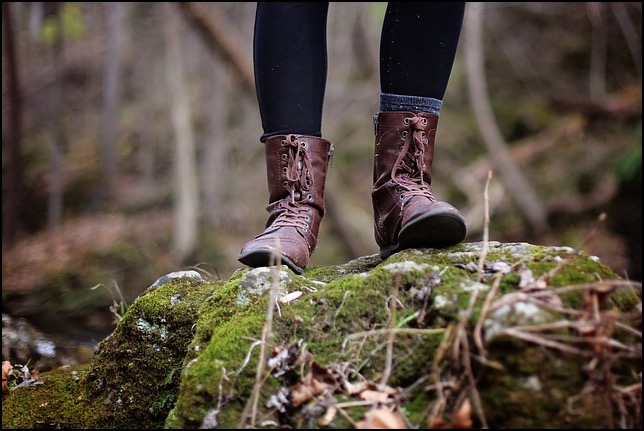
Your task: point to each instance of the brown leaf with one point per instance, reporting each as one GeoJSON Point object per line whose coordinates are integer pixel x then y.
{"type": "Point", "coordinates": [355, 388]}
{"type": "Point", "coordinates": [6, 367]}
{"type": "Point", "coordinates": [307, 390]}
{"type": "Point", "coordinates": [462, 419]}
{"type": "Point", "coordinates": [463, 416]}
{"type": "Point", "coordinates": [328, 417]}
{"type": "Point", "coordinates": [374, 396]}
{"type": "Point", "coordinates": [322, 374]}
{"type": "Point", "coordinates": [437, 423]}
{"type": "Point", "coordinates": [318, 380]}
{"type": "Point", "coordinates": [382, 418]}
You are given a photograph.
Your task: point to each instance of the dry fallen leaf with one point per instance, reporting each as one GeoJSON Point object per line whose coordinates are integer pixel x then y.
{"type": "Point", "coordinates": [354, 388]}
{"type": "Point", "coordinates": [382, 418]}
{"type": "Point", "coordinates": [328, 417]}
{"type": "Point", "coordinates": [462, 418]}
{"type": "Point", "coordinates": [318, 380]}
{"type": "Point", "coordinates": [374, 396]}
{"type": "Point", "coordinates": [6, 367]}
{"type": "Point", "coordinates": [307, 390]}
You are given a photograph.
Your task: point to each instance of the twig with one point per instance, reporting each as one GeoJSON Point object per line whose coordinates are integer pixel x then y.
{"type": "Point", "coordinates": [347, 417]}
{"type": "Point", "coordinates": [247, 358]}
{"type": "Point", "coordinates": [478, 328]}
{"type": "Point", "coordinates": [543, 341]}
{"type": "Point", "coordinates": [464, 318]}
{"type": "Point", "coordinates": [337, 312]}
{"type": "Point", "coordinates": [198, 267]}
{"type": "Point", "coordinates": [591, 236]}
{"type": "Point", "coordinates": [628, 329]}
{"type": "Point", "coordinates": [222, 38]}
{"type": "Point", "coordinates": [486, 228]}
{"type": "Point", "coordinates": [266, 335]}
{"type": "Point", "coordinates": [412, 331]}
{"type": "Point", "coordinates": [438, 407]}
{"type": "Point", "coordinates": [389, 352]}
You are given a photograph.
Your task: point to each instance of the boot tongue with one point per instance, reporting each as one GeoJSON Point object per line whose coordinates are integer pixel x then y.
{"type": "Point", "coordinates": [299, 166]}
{"type": "Point", "coordinates": [410, 162]}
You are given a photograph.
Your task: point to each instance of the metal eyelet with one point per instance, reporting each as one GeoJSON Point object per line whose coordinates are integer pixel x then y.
{"type": "Point", "coordinates": [284, 170]}
{"type": "Point", "coordinates": [406, 121]}
{"type": "Point", "coordinates": [310, 198]}
{"type": "Point", "coordinates": [424, 120]}
{"type": "Point", "coordinates": [285, 183]}
{"type": "Point", "coordinates": [284, 156]}
{"type": "Point", "coordinates": [303, 143]}
{"type": "Point", "coordinates": [283, 143]}
{"type": "Point", "coordinates": [404, 134]}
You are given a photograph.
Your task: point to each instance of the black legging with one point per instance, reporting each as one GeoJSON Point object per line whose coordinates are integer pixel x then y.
{"type": "Point", "coordinates": [417, 49]}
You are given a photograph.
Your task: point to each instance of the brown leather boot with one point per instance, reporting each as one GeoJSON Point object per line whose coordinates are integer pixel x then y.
{"type": "Point", "coordinates": [406, 214]}
{"type": "Point", "coordinates": [296, 166]}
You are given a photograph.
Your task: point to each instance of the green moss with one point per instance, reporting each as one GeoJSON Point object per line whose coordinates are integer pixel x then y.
{"type": "Point", "coordinates": [625, 298]}
{"type": "Point", "coordinates": [57, 401]}
{"type": "Point", "coordinates": [186, 350]}
{"type": "Point", "coordinates": [134, 372]}
{"type": "Point", "coordinates": [322, 319]}
{"type": "Point", "coordinates": [536, 389]}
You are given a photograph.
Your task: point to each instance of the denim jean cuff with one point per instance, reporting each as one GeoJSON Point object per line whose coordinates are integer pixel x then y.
{"type": "Point", "coordinates": [402, 102]}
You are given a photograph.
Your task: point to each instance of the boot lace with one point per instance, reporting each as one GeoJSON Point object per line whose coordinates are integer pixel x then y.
{"type": "Point", "coordinates": [298, 182]}
{"type": "Point", "coordinates": [408, 169]}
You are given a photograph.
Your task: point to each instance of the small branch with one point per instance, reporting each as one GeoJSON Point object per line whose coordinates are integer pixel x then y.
{"type": "Point", "coordinates": [389, 352]}
{"type": "Point", "coordinates": [266, 335]}
{"type": "Point", "coordinates": [486, 228]}
{"type": "Point", "coordinates": [523, 194]}
{"type": "Point", "coordinates": [535, 339]}
{"type": "Point", "coordinates": [478, 328]}
{"type": "Point", "coordinates": [411, 331]}
{"type": "Point", "coordinates": [223, 39]}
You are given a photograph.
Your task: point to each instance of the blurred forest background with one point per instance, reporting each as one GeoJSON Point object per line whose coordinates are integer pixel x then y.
{"type": "Point", "coordinates": [130, 142]}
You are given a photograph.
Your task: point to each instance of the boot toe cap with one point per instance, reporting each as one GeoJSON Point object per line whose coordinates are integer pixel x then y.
{"type": "Point", "coordinates": [269, 252]}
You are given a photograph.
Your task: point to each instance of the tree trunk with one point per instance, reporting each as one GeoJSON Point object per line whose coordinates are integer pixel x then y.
{"type": "Point", "coordinates": [56, 141]}
{"type": "Point", "coordinates": [214, 168]}
{"type": "Point", "coordinates": [12, 192]}
{"type": "Point", "coordinates": [111, 96]}
{"type": "Point", "coordinates": [186, 194]}
{"type": "Point", "coordinates": [524, 196]}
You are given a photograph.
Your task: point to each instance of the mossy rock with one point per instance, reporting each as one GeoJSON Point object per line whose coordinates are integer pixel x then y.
{"type": "Point", "coordinates": [525, 336]}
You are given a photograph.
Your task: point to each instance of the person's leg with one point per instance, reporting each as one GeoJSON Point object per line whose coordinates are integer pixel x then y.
{"type": "Point", "coordinates": [290, 57]}
{"type": "Point", "coordinates": [290, 72]}
{"type": "Point", "coordinates": [417, 50]}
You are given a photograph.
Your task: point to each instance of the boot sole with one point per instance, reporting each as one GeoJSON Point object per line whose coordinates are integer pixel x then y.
{"type": "Point", "coordinates": [431, 230]}
{"type": "Point", "coordinates": [258, 259]}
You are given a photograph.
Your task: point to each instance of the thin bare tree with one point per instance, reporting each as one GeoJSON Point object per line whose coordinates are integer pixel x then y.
{"type": "Point", "coordinates": [12, 199]}
{"type": "Point", "coordinates": [116, 13]}
{"type": "Point", "coordinates": [531, 207]}
{"type": "Point", "coordinates": [186, 183]}
{"type": "Point", "coordinates": [57, 134]}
